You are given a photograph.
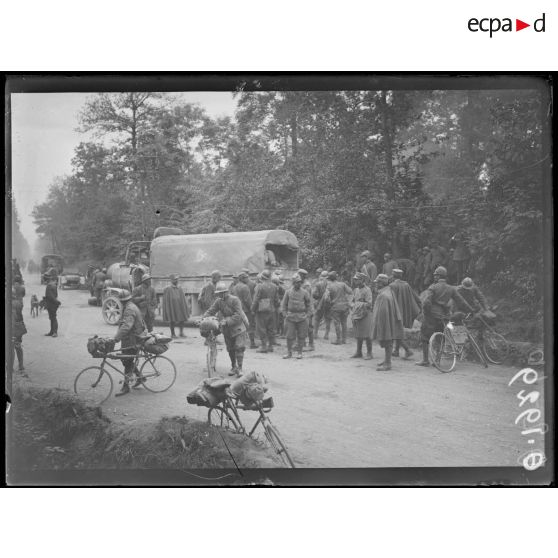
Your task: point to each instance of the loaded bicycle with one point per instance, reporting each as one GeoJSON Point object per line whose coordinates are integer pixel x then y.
{"type": "Point", "coordinates": [457, 340]}
{"type": "Point", "coordinates": [155, 372]}
{"type": "Point", "coordinates": [210, 329]}
{"type": "Point", "coordinates": [226, 398]}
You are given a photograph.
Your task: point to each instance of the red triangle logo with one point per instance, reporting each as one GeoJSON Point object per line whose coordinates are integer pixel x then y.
{"type": "Point", "coordinates": [519, 25]}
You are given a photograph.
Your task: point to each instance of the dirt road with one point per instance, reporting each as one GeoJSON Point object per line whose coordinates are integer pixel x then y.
{"type": "Point", "coordinates": [332, 411]}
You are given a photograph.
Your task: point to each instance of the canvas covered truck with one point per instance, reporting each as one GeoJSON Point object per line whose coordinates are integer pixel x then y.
{"type": "Point", "coordinates": [194, 257]}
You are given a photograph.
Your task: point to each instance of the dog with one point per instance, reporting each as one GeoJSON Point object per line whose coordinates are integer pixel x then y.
{"type": "Point", "coordinates": [35, 306]}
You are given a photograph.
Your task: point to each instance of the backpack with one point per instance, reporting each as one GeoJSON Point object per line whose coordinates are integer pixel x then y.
{"type": "Point", "coordinates": [209, 392]}
{"type": "Point", "coordinates": [98, 347]}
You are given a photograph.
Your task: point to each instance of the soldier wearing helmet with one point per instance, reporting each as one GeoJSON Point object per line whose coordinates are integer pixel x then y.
{"type": "Point", "coordinates": [145, 299]}
{"type": "Point", "coordinates": [264, 304]}
{"type": "Point", "coordinates": [130, 329]}
{"type": "Point", "coordinates": [338, 295]}
{"type": "Point", "coordinates": [296, 308]}
{"type": "Point", "coordinates": [436, 308]}
{"type": "Point", "coordinates": [323, 311]}
{"type": "Point", "coordinates": [368, 268]}
{"type": "Point", "coordinates": [229, 308]}
{"type": "Point", "coordinates": [207, 294]}
{"type": "Point", "coordinates": [308, 287]}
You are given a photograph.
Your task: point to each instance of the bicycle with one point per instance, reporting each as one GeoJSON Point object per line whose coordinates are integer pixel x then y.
{"type": "Point", "coordinates": [447, 346]}
{"type": "Point", "coordinates": [495, 347]}
{"type": "Point", "coordinates": [95, 383]}
{"type": "Point", "coordinates": [225, 415]}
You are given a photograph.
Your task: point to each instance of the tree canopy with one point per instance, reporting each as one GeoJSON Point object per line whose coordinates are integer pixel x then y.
{"type": "Point", "coordinates": [343, 170]}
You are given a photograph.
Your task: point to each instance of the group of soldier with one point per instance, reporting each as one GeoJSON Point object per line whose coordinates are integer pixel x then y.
{"type": "Point", "coordinates": [382, 306]}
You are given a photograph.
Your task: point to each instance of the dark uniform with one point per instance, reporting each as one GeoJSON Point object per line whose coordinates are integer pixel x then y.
{"type": "Point", "coordinates": [234, 330]}
{"type": "Point", "coordinates": [242, 292]}
{"type": "Point", "coordinates": [306, 285]}
{"type": "Point", "coordinates": [130, 328]}
{"type": "Point", "coordinates": [98, 282]}
{"type": "Point", "coordinates": [263, 306]}
{"type": "Point", "coordinates": [371, 271]}
{"type": "Point", "coordinates": [18, 331]}
{"type": "Point", "coordinates": [51, 304]}
{"type": "Point", "coordinates": [145, 299]}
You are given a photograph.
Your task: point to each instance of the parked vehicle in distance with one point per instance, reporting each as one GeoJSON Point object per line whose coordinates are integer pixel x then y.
{"type": "Point", "coordinates": [71, 279]}
{"type": "Point", "coordinates": [49, 261]}
{"type": "Point", "coordinates": [193, 257]}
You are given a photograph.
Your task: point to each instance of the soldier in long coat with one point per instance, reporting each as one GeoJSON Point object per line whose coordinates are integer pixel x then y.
{"type": "Point", "coordinates": [263, 306]}
{"type": "Point", "coordinates": [175, 306]}
{"type": "Point", "coordinates": [409, 305]}
{"type": "Point", "coordinates": [144, 297]}
{"type": "Point", "coordinates": [369, 268]}
{"type": "Point", "coordinates": [387, 324]}
{"type": "Point", "coordinates": [362, 315]}
{"type": "Point", "coordinates": [232, 325]}
{"type": "Point", "coordinates": [323, 310]}
{"type": "Point", "coordinates": [242, 291]}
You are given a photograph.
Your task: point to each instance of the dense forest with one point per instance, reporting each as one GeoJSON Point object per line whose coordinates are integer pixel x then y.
{"type": "Point", "coordinates": [343, 170]}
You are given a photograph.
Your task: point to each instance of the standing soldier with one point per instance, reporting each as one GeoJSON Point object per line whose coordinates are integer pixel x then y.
{"type": "Point", "coordinates": [130, 329]}
{"type": "Point", "coordinates": [369, 268]}
{"type": "Point", "coordinates": [251, 284]}
{"type": "Point", "coordinates": [436, 309]}
{"type": "Point", "coordinates": [233, 285]}
{"type": "Point", "coordinates": [362, 315]}
{"type": "Point", "coordinates": [207, 294]}
{"type": "Point", "coordinates": [308, 287]}
{"type": "Point", "coordinates": [461, 254]}
{"type": "Point", "coordinates": [98, 280]}
{"type": "Point", "coordinates": [322, 310]}
{"type": "Point", "coordinates": [427, 275]}
{"type": "Point", "coordinates": [18, 331]}
{"type": "Point", "coordinates": [408, 267]}
{"type": "Point", "coordinates": [19, 290]}
{"type": "Point", "coordinates": [337, 294]}
{"type": "Point", "coordinates": [389, 265]}
{"type": "Point", "coordinates": [232, 325]}
{"type": "Point", "coordinates": [263, 306]}
{"type": "Point", "coordinates": [409, 306]}
{"type": "Point", "coordinates": [419, 270]}
{"type": "Point", "coordinates": [296, 306]}
{"type": "Point", "coordinates": [242, 291]}
{"type": "Point", "coordinates": [386, 320]}
{"type": "Point", "coordinates": [144, 297]}
{"type": "Point", "coordinates": [52, 303]}
{"type": "Point", "coordinates": [175, 306]}
{"type": "Point", "coordinates": [279, 317]}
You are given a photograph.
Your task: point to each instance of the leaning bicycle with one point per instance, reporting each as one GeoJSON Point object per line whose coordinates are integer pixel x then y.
{"type": "Point", "coordinates": [154, 372]}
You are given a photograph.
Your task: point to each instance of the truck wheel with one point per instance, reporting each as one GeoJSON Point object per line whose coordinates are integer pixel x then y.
{"type": "Point", "coordinates": [112, 310]}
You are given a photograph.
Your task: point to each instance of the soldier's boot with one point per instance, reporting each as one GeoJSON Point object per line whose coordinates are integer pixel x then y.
{"type": "Point", "coordinates": [408, 352]}
{"type": "Point", "coordinates": [263, 347]}
{"type": "Point", "coordinates": [424, 361]}
{"type": "Point", "coordinates": [386, 365]}
{"type": "Point", "coordinates": [327, 327]}
{"type": "Point", "coordinates": [358, 353]}
{"type": "Point", "coordinates": [311, 341]}
{"type": "Point", "coordinates": [125, 386]}
{"type": "Point", "coordinates": [289, 349]}
{"type": "Point", "coordinates": [239, 361]}
{"type": "Point", "coordinates": [232, 356]}
{"type": "Point", "coordinates": [173, 333]}
{"type": "Point", "coordinates": [396, 347]}
{"type": "Point", "coordinates": [182, 332]}
{"type": "Point", "coordinates": [271, 343]}
{"type": "Point", "coordinates": [368, 349]}
{"type": "Point", "coordinates": [299, 350]}
{"type": "Point", "coordinates": [252, 341]}
{"type": "Point", "coordinates": [337, 335]}
{"type": "Point", "coordinates": [344, 333]}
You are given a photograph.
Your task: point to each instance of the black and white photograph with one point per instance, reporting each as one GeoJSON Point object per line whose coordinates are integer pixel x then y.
{"type": "Point", "coordinates": [327, 279]}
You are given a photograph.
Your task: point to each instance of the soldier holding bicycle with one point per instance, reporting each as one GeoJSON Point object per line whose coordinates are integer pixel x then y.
{"type": "Point", "coordinates": [130, 329]}
{"type": "Point", "coordinates": [436, 309]}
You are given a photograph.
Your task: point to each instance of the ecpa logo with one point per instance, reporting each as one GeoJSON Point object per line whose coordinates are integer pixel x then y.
{"type": "Point", "coordinates": [492, 25]}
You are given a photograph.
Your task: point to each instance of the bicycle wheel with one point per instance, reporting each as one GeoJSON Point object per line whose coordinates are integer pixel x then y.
{"type": "Point", "coordinates": [211, 359]}
{"type": "Point", "coordinates": [277, 444]}
{"type": "Point", "coordinates": [495, 347]}
{"type": "Point", "coordinates": [442, 352]}
{"type": "Point", "coordinates": [159, 373]}
{"type": "Point", "coordinates": [93, 384]}
{"type": "Point", "coordinates": [217, 416]}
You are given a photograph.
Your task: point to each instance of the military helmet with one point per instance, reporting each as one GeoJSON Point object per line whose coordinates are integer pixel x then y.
{"type": "Point", "coordinates": [297, 278]}
{"type": "Point", "coordinates": [125, 295]}
{"type": "Point", "coordinates": [397, 272]}
{"type": "Point", "coordinates": [145, 277]}
{"type": "Point", "coordinates": [441, 271]}
{"type": "Point", "coordinates": [221, 288]}
{"type": "Point", "coordinates": [332, 275]}
{"type": "Point", "coordinates": [467, 283]}
{"type": "Point", "coordinates": [266, 274]}
{"type": "Point", "coordinates": [302, 272]}
{"type": "Point", "coordinates": [324, 274]}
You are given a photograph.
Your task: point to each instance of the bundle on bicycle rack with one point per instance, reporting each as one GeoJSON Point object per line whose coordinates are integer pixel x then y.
{"type": "Point", "coordinates": [156, 343]}
{"type": "Point", "coordinates": [209, 325]}
{"type": "Point", "coordinates": [251, 389]}
{"type": "Point", "coordinates": [209, 392]}
{"type": "Point", "coordinates": [99, 347]}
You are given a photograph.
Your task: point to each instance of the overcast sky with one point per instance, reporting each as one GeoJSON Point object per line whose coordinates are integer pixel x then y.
{"type": "Point", "coordinates": [44, 137]}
